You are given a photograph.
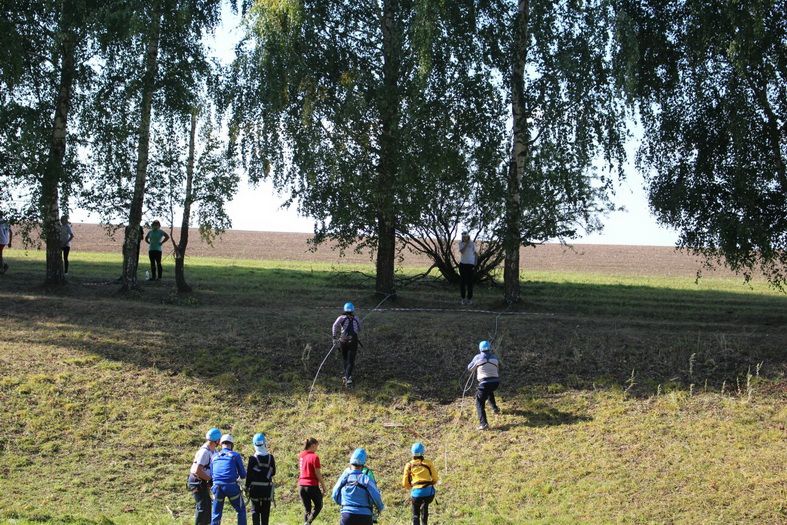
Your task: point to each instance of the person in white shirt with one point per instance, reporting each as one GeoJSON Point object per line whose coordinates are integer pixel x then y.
{"type": "Point", "coordinates": [6, 235]}
{"type": "Point", "coordinates": [467, 262]}
{"type": "Point", "coordinates": [66, 235]}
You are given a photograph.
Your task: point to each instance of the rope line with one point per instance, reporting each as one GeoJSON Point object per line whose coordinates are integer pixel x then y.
{"type": "Point", "coordinates": [333, 347]}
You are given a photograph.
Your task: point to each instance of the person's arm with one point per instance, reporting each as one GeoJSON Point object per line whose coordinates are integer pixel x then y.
{"type": "Point", "coordinates": [273, 465]}
{"type": "Point", "coordinates": [473, 363]}
{"type": "Point", "coordinates": [165, 238]}
{"type": "Point", "coordinates": [374, 492]}
{"type": "Point", "coordinates": [201, 472]}
{"type": "Point", "coordinates": [406, 477]}
{"type": "Point", "coordinates": [147, 237]}
{"type": "Point", "coordinates": [318, 475]}
{"type": "Point", "coordinates": [336, 327]}
{"type": "Point", "coordinates": [241, 469]}
{"type": "Point", "coordinates": [336, 493]}
{"type": "Point", "coordinates": [70, 235]}
{"type": "Point", "coordinates": [462, 246]}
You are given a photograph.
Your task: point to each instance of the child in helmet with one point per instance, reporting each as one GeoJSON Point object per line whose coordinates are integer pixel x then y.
{"type": "Point", "coordinates": [487, 369]}
{"type": "Point", "coordinates": [420, 476]}
{"type": "Point", "coordinates": [345, 332]}
{"type": "Point", "coordinates": [357, 493]}
{"type": "Point", "coordinates": [259, 481]}
{"type": "Point", "coordinates": [200, 477]}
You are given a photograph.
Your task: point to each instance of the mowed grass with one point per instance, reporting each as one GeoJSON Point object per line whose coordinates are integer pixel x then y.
{"type": "Point", "coordinates": [625, 400]}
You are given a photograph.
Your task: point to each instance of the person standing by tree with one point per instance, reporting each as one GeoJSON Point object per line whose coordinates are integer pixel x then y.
{"type": "Point", "coordinates": [6, 236]}
{"type": "Point", "coordinates": [259, 481]}
{"type": "Point", "coordinates": [345, 332]}
{"type": "Point", "coordinates": [310, 483]}
{"type": "Point", "coordinates": [66, 236]}
{"type": "Point", "coordinates": [200, 477]}
{"type": "Point", "coordinates": [420, 476]}
{"type": "Point", "coordinates": [467, 262]}
{"type": "Point", "coordinates": [486, 366]}
{"type": "Point", "coordinates": [156, 239]}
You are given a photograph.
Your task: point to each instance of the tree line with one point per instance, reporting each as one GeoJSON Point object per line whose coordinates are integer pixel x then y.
{"type": "Point", "coordinates": [395, 122]}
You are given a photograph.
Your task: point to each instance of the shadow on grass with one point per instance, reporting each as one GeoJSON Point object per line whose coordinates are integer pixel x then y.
{"type": "Point", "coordinates": [544, 417]}
{"type": "Point", "coordinates": [250, 330]}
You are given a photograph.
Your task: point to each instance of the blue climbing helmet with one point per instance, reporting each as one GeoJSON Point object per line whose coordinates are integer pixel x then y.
{"type": "Point", "coordinates": [418, 449]}
{"type": "Point", "coordinates": [485, 346]}
{"type": "Point", "coordinates": [349, 308]}
{"type": "Point", "coordinates": [358, 457]}
{"type": "Point", "coordinates": [259, 439]}
{"type": "Point", "coordinates": [214, 434]}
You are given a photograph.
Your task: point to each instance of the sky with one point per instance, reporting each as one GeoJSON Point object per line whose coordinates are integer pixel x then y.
{"type": "Point", "coordinates": [260, 208]}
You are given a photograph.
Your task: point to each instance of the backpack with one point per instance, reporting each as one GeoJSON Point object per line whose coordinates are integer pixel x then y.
{"type": "Point", "coordinates": [421, 483]}
{"type": "Point", "coordinates": [348, 332]}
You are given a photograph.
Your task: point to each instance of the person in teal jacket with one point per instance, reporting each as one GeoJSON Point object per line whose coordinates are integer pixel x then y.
{"type": "Point", "coordinates": [156, 239]}
{"type": "Point", "coordinates": [357, 493]}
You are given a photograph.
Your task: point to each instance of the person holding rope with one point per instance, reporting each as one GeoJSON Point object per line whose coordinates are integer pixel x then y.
{"type": "Point", "coordinates": [345, 333]}
{"type": "Point", "coordinates": [227, 469]}
{"type": "Point", "coordinates": [420, 476]}
{"type": "Point", "coordinates": [200, 479]}
{"type": "Point", "coordinates": [357, 493]}
{"type": "Point", "coordinates": [259, 481]}
{"type": "Point", "coordinates": [486, 366]}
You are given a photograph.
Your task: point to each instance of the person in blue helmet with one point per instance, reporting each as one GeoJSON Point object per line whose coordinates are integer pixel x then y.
{"type": "Point", "coordinates": [486, 366]}
{"type": "Point", "coordinates": [357, 493]}
{"type": "Point", "coordinates": [345, 333]}
{"type": "Point", "coordinates": [200, 477]}
{"type": "Point", "coordinates": [227, 469]}
{"type": "Point", "coordinates": [259, 482]}
{"type": "Point", "coordinates": [420, 476]}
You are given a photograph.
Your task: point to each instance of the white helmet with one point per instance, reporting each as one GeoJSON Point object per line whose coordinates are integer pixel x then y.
{"type": "Point", "coordinates": [227, 438]}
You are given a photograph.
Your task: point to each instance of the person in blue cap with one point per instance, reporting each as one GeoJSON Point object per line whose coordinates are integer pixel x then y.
{"type": "Point", "coordinates": [227, 469]}
{"type": "Point", "coordinates": [345, 333]}
{"type": "Point", "coordinates": [357, 493]}
{"type": "Point", "coordinates": [259, 481]}
{"type": "Point", "coordinates": [200, 477]}
{"type": "Point", "coordinates": [487, 370]}
{"type": "Point", "coordinates": [420, 476]}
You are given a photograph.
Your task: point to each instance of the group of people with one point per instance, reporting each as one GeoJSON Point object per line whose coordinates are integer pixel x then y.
{"type": "Point", "coordinates": [155, 238]}
{"type": "Point", "coordinates": [218, 470]}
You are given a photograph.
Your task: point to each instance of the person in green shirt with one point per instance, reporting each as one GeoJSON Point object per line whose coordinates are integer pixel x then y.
{"type": "Point", "coordinates": [155, 238]}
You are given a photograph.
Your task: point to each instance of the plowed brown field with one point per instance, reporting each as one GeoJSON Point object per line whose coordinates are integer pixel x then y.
{"type": "Point", "coordinates": [591, 258]}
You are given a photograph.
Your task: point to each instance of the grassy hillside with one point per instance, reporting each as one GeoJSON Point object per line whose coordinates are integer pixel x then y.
{"type": "Point", "coordinates": [625, 400]}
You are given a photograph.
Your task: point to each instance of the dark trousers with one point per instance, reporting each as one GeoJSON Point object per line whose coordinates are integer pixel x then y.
{"type": "Point", "coordinates": [355, 519]}
{"type": "Point", "coordinates": [260, 511]}
{"type": "Point", "coordinates": [421, 510]}
{"type": "Point", "coordinates": [466, 279]}
{"type": "Point", "coordinates": [349, 351]}
{"type": "Point", "coordinates": [66, 250]}
{"type": "Point", "coordinates": [485, 391]}
{"type": "Point", "coordinates": [312, 502]}
{"type": "Point", "coordinates": [155, 264]}
{"type": "Point", "coordinates": [203, 504]}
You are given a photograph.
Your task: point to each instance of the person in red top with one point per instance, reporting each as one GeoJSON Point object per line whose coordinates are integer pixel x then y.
{"type": "Point", "coordinates": [309, 481]}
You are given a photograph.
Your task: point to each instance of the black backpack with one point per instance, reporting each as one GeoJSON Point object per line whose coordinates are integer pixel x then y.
{"type": "Point", "coordinates": [348, 332]}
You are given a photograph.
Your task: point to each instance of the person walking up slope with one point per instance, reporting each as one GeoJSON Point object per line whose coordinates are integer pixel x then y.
{"type": "Point", "coordinates": [420, 476]}
{"type": "Point", "coordinates": [259, 481]}
{"type": "Point", "coordinates": [487, 369]}
{"type": "Point", "coordinates": [345, 332]}
{"type": "Point", "coordinates": [357, 493]}
{"type": "Point", "coordinates": [310, 483]}
{"type": "Point", "coordinates": [227, 469]}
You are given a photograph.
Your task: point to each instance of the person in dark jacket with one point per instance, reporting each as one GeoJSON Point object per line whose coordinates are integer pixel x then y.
{"type": "Point", "coordinates": [345, 333]}
{"type": "Point", "coordinates": [259, 480]}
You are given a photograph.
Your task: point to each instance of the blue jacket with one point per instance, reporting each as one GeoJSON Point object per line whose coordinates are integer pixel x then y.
{"type": "Point", "coordinates": [356, 493]}
{"type": "Point", "coordinates": [227, 467]}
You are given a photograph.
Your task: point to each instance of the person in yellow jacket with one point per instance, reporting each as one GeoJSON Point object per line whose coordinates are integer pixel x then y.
{"type": "Point", "coordinates": [420, 476]}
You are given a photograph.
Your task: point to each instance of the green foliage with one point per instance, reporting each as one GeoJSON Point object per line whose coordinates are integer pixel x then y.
{"type": "Point", "coordinates": [709, 79]}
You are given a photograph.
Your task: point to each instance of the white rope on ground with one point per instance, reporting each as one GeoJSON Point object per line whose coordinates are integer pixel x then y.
{"type": "Point", "coordinates": [333, 347]}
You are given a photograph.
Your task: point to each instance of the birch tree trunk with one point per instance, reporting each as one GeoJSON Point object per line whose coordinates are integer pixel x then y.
{"type": "Point", "coordinates": [389, 146]}
{"type": "Point", "coordinates": [57, 150]}
{"type": "Point", "coordinates": [180, 249]}
{"type": "Point", "coordinates": [519, 155]}
{"type": "Point", "coordinates": [135, 212]}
